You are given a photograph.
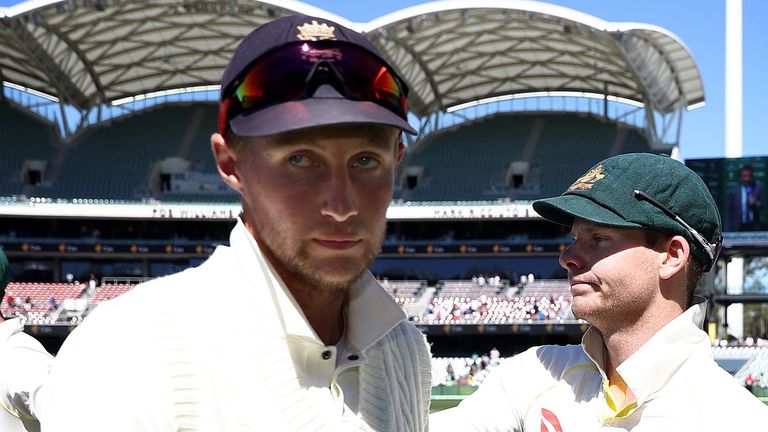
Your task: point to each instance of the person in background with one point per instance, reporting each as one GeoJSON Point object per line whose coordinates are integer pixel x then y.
{"type": "Point", "coordinates": [24, 364]}
{"type": "Point", "coordinates": [644, 229]}
{"type": "Point", "coordinates": [10, 299]}
{"type": "Point", "coordinates": [310, 129]}
{"type": "Point", "coordinates": [745, 203]}
{"type": "Point", "coordinates": [52, 304]}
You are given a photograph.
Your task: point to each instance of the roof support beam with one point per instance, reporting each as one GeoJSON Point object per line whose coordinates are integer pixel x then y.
{"type": "Point", "coordinates": [67, 91]}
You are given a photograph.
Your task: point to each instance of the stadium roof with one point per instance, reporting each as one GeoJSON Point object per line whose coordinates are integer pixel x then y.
{"type": "Point", "coordinates": [453, 54]}
{"type": "Point", "coordinates": [86, 53]}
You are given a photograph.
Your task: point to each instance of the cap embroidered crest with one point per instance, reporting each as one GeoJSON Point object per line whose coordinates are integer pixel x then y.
{"type": "Point", "coordinates": [643, 190]}
{"type": "Point", "coordinates": [587, 180]}
{"type": "Point", "coordinates": [315, 32]}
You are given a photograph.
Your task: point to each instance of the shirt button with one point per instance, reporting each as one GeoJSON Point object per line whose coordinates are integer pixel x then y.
{"type": "Point", "coordinates": [353, 357]}
{"type": "Point", "coordinates": [326, 354]}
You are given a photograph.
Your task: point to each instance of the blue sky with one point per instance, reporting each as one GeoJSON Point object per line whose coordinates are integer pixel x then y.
{"type": "Point", "coordinates": [700, 24]}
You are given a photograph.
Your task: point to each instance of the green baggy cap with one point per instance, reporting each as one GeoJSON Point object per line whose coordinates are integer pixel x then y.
{"type": "Point", "coordinates": [606, 195]}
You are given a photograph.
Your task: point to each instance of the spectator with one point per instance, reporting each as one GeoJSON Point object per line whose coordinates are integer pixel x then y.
{"type": "Point", "coordinates": [749, 382]}
{"type": "Point", "coordinates": [92, 282]}
{"type": "Point", "coordinates": [28, 304]}
{"type": "Point", "coordinates": [495, 356]}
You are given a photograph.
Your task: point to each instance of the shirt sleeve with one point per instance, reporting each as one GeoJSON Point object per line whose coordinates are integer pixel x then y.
{"type": "Point", "coordinates": [494, 406]}
{"type": "Point", "coordinates": [25, 366]}
{"type": "Point", "coordinates": [107, 377]}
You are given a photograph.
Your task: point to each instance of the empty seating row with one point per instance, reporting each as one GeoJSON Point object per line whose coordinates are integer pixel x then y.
{"type": "Point", "coordinates": [473, 160]}
{"type": "Point", "coordinates": [115, 160]}
{"type": "Point", "coordinates": [109, 291]}
{"type": "Point", "coordinates": [469, 289]}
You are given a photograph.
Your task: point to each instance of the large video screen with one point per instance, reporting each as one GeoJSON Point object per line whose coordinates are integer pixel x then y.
{"type": "Point", "coordinates": [738, 186]}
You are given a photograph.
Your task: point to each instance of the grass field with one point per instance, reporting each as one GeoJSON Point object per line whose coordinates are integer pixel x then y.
{"type": "Point", "coordinates": [449, 396]}
{"type": "Point", "coordinates": [440, 403]}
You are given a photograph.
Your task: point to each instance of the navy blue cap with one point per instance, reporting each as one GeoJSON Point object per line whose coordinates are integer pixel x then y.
{"type": "Point", "coordinates": [326, 106]}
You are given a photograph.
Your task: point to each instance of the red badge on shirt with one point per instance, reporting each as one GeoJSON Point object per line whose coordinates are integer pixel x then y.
{"type": "Point", "coordinates": [549, 421]}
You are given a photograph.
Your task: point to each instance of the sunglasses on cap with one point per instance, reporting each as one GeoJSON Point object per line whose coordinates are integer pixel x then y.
{"type": "Point", "coordinates": [712, 249]}
{"type": "Point", "coordinates": [294, 71]}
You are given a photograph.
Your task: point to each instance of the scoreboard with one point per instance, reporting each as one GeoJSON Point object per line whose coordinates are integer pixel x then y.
{"type": "Point", "coordinates": [722, 174]}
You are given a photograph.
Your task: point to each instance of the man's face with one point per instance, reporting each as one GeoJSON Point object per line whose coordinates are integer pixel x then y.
{"type": "Point", "coordinates": [746, 176]}
{"type": "Point", "coordinates": [613, 275]}
{"type": "Point", "coordinates": [316, 200]}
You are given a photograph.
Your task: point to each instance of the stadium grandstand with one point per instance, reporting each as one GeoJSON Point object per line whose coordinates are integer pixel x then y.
{"type": "Point", "coordinates": [106, 178]}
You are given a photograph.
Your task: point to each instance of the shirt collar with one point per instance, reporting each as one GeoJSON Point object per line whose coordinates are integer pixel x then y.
{"type": "Point", "coordinates": [370, 312]}
{"type": "Point", "coordinates": [650, 368]}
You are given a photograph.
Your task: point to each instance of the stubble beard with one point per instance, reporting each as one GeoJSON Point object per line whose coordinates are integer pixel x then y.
{"type": "Point", "coordinates": [297, 267]}
{"type": "Point", "coordinates": [609, 314]}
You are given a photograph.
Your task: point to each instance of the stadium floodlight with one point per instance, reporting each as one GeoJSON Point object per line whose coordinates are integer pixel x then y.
{"type": "Point", "coordinates": [626, 101]}
{"type": "Point", "coordinates": [478, 102]}
{"type": "Point", "coordinates": [30, 91]}
{"type": "Point", "coordinates": [574, 94]}
{"type": "Point", "coordinates": [163, 93]}
{"type": "Point", "coordinates": [696, 106]}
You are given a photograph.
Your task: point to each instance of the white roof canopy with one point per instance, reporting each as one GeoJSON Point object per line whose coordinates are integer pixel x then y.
{"type": "Point", "coordinates": [87, 53]}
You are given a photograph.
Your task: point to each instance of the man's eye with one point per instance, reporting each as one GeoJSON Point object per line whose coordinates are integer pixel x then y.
{"type": "Point", "coordinates": [299, 160]}
{"type": "Point", "coordinates": [366, 162]}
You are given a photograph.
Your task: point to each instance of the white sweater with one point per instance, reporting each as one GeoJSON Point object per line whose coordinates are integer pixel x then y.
{"type": "Point", "coordinates": [205, 350]}
{"type": "Point", "coordinates": [24, 364]}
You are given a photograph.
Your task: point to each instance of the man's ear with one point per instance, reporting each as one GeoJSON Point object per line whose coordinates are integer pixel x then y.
{"type": "Point", "coordinates": [400, 151]}
{"type": "Point", "coordinates": [675, 256]}
{"type": "Point", "coordinates": [226, 159]}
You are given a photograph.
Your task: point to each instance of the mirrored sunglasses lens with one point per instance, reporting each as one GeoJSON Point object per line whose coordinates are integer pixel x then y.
{"type": "Point", "coordinates": [284, 76]}
{"type": "Point", "coordinates": [275, 79]}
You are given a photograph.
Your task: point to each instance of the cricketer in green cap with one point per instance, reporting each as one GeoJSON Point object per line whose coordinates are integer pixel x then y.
{"type": "Point", "coordinates": [643, 190]}
{"type": "Point", "coordinates": [644, 228]}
